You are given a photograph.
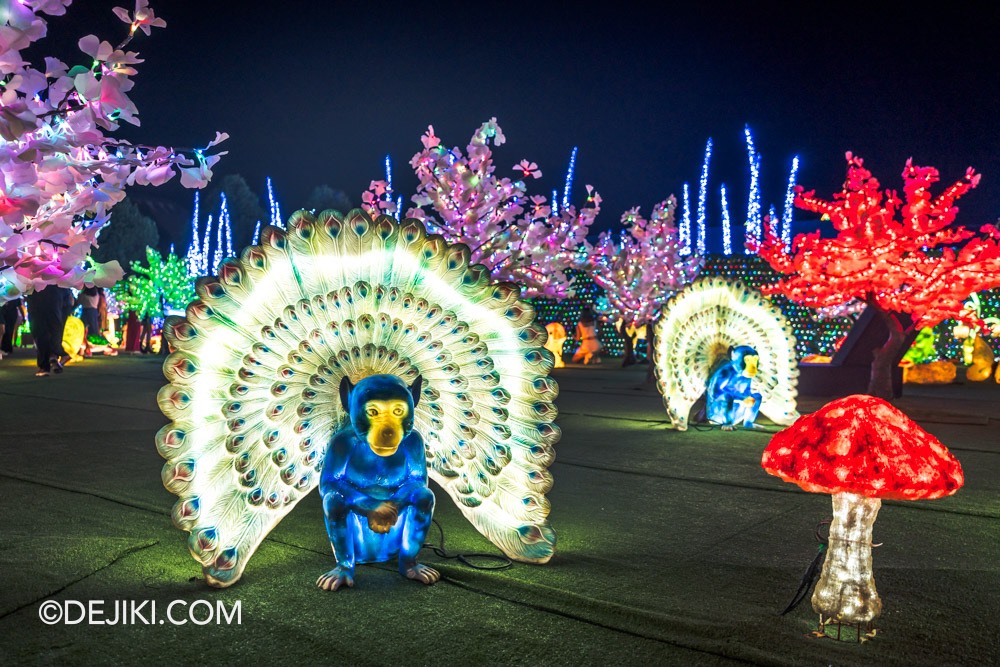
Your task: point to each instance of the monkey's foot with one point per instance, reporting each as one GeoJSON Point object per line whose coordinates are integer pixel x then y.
{"type": "Point", "coordinates": [728, 427]}
{"type": "Point", "coordinates": [422, 573]}
{"type": "Point", "coordinates": [336, 578]}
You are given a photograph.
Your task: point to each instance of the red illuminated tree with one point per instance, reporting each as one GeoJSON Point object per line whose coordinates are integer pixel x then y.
{"type": "Point", "coordinates": [906, 259]}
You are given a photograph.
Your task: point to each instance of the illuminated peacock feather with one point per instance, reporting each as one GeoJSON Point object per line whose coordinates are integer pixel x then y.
{"type": "Point", "coordinates": [253, 383]}
{"type": "Point", "coordinates": [697, 327]}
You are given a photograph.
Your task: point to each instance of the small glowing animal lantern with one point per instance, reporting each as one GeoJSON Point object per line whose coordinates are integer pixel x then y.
{"type": "Point", "coordinates": [641, 334]}
{"type": "Point", "coordinates": [72, 340]}
{"type": "Point", "coordinates": [932, 372]}
{"type": "Point", "coordinates": [254, 396]}
{"type": "Point", "coordinates": [859, 449]}
{"type": "Point", "coordinates": [557, 338]}
{"type": "Point", "coordinates": [982, 361]}
{"type": "Point", "coordinates": [699, 326]}
{"type": "Point", "coordinates": [730, 396]}
{"type": "Point", "coordinates": [374, 482]}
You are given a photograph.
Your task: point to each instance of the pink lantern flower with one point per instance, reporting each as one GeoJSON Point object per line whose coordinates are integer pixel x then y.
{"type": "Point", "coordinates": [142, 18]}
{"type": "Point", "coordinates": [428, 139]}
{"type": "Point", "coordinates": [528, 169]}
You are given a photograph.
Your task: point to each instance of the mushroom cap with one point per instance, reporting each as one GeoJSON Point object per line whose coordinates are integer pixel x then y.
{"type": "Point", "coordinates": [861, 444]}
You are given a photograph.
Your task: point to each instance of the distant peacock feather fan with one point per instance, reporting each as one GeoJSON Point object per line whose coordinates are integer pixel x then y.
{"type": "Point", "coordinates": [253, 383]}
{"type": "Point", "coordinates": [696, 329]}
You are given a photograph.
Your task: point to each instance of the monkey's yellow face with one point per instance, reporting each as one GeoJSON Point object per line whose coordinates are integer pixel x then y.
{"type": "Point", "coordinates": [750, 369]}
{"type": "Point", "coordinates": [385, 419]}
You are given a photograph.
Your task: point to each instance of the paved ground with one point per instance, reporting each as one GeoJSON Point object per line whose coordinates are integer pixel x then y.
{"type": "Point", "coordinates": [674, 548]}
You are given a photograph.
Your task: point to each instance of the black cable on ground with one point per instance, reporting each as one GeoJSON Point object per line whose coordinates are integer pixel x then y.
{"type": "Point", "coordinates": [812, 572]}
{"type": "Point", "coordinates": [709, 426]}
{"type": "Point", "coordinates": [702, 426]}
{"type": "Point", "coordinates": [503, 561]}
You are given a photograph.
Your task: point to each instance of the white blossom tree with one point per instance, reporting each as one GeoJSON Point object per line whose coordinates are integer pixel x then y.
{"type": "Point", "coordinates": [642, 269]}
{"type": "Point", "coordinates": [61, 171]}
{"type": "Point", "coordinates": [519, 238]}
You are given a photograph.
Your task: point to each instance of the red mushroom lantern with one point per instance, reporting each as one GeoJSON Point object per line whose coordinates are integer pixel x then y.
{"type": "Point", "coordinates": [859, 449]}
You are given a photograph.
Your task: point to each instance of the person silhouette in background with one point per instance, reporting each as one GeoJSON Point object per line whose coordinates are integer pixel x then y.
{"type": "Point", "coordinates": [90, 299]}
{"type": "Point", "coordinates": [590, 344]}
{"type": "Point", "coordinates": [146, 334]}
{"type": "Point", "coordinates": [12, 313]}
{"type": "Point", "coordinates": [48, 309]}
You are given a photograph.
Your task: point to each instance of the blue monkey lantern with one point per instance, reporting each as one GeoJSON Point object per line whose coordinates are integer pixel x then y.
{"type": "Point", "coordinates": [447, 380]}
{"type": "Point", "coordinates": [731, 397]}
{"type": "Point", "coordinates": [716, 318]}
{"type": "Point", "coordinates": [374, 482]}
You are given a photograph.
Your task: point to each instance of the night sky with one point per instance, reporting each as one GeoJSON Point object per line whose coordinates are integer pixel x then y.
{"type": "Point", "coordinates": [317, 92]}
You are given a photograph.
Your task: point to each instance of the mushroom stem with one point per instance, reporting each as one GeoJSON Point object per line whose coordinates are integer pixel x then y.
{"type": "Point", "coordinates": [846, 589]}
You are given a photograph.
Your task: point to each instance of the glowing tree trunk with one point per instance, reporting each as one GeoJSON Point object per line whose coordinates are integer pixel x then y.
{"type": "Point", "coordinates": [887, 357]}
{"type": "Point", "coordinates": [846, 589]}
{"type": "Point", "coordinates": [651, 369]}
{"type": "Point", "coordinates": [629, 353]}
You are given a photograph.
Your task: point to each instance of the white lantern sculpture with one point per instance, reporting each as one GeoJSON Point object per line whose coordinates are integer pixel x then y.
{"type": "Point", "coordinates": [859, 449]}
{"type": "Point", "coordinates": [697, 329]}
{"type": "Point", "coordinates": [259, 358]}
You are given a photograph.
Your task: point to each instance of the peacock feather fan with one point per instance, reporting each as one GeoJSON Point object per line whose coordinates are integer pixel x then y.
{"type": "Point", "coordinates": [253, 381]}
{"type": "Point", "coordinates": [696, 329]}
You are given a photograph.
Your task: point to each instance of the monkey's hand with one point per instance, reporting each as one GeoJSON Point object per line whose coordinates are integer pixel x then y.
{"type": "Point", "coordinates": [383, 518]}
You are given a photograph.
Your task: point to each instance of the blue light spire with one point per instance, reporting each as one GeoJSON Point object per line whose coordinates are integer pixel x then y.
{"type": "Point", "coordinates": [702, 197]}
{"type": "Point", "coordinates": [223, 237]}
{"type": "Point", "coordinates": [217, 254]}
{"type": "Point", "coordinates": [786, 213]}
{"type": "Point", "coordinates": [229, 230]}
{"type": "Point", "coordinates": [684, 234]}
{"type": "Point", "coordinates": [388, 187]}
{"type": "Point", "coordinates": [275, 209]}
{"type": "Point", "coordinates": [193, 257]}
{"type": "Point", "coordinates": [205, 245]}
{"type": "Point", "coordinates": [727, 234]}
{"type": "Point", "coordinates": [568, 186]}
{"type": "Point", "coordinates": [753, 226]}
